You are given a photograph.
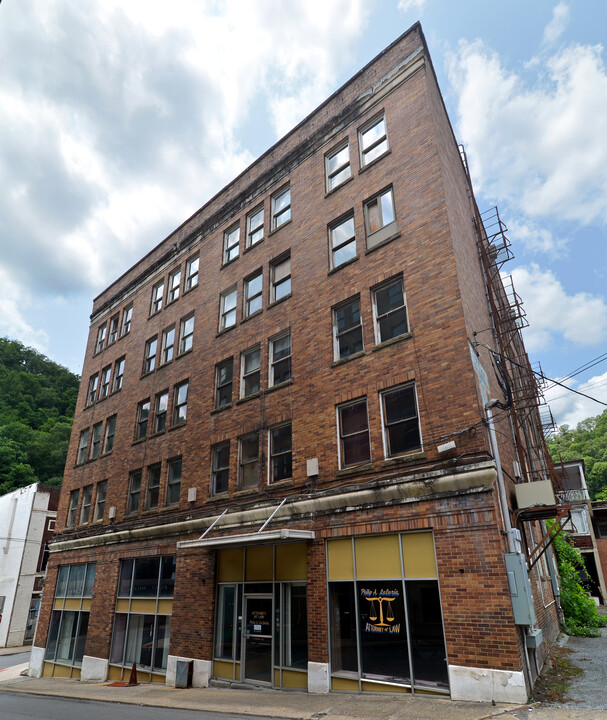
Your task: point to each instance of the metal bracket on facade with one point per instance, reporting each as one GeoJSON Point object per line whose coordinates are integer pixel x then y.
{"type": "Point", "coordinates": [561, 514]}
{"type": "Point", "coordinates": [272, 515]}
{"type": "Point", "coordinates": [212, 525]}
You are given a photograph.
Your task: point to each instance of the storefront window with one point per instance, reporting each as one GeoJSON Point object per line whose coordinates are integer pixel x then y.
{"type": "Point", "coordinates": [343, 627]}
{"type": "Point", "coordinates": [224, 641]}
{"type": "Point", "coordinates": [427, 641]}
{"type": "Point", "coordinates": [295, 627]}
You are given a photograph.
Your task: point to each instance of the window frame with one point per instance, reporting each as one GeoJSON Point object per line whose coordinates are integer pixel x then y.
{"type": "Point", "coordinates": [377, 318]}
{"type": "Point", "coordinates": [272, 362]}
{"type": "Point", "coordinates": [118, 376]}
{"type": "Point", "coordinates": [85, 507]}
{"type": "Point", "coordinates": [244, 375]}
{"type": "Point", "coordinates": [229, 244]}
{"type": "Point", "coordinates": [159, 412]}
{"type": "Point", "coordinates": [341, 436]}
{"type": "Point", "coordinates": [72, 508]}
{"type": "Point", "coordinates": [331, 174]}
{"type": "Point", "coordinates": [219, 386]}
{"type": "Point", "coordinates": [216, 469]}
{"type": "Point", "coordinates": [133, 500]}
{"type": "Point", "coordinates": [335, 225]}
{"type": "Point", "coordinates": [113, 329]}
{"type": "Point", "coordinates": [110, 432]}
{"type": "Point", "coordinates": [82, 453]}
{"type": "Point", "coordinates": [178, 405]}
{"type": "Point", "coordinates": [104, 383]}
{"type": "Point", "coordinates": [368, 126]}
{"type": "Point", "coordinates": [91, 393]}
{"type": "Point", "coordinates": [171, 482]}
{"type": "Point", "coordinates": [157, 298]}
{"type": "Point", "coordinates": [254, 230]}
{"type": "Point", "coordinates": [127, 318]}
{"type": "Point", "coordinates": [190, 283]}
{"type": "Point", "coordinates": [385, 425]}
{"type": "Point", "coordinates": [222, 308]}
{"type": "Point", "coordinates": [167, 348]}
{"type": "Point", "coordinates": [257, 296]}
{"type": "Point", "coordinates": [174, 286]}
{"type": "Point", "coordinates": [387, 230]}
{"type": "Point", "coordinates": [101, 337]}
{"type": "Point", "coordinates": [149, 358]}
{"type": "Point", "coordinates": [153, 472]}
{"type": "Point", "coordinates": [96, 441]}
{"type": "Point", "coordinates": [249, 461]}
{"type": "Point", "coordinates": [100, 500]}
{"type": "Point", "coordinates": [337, 334]}
{"type": "Point", "coordinates": [272, 455]}
{"type": "Point", "coordinates": [274, 264]}
{"type": "Point", "coordinates": [276, 224]}
{"type": "Point", "coordinates": [186, 339]}
{"type": "Point", "coordinates": [141, 427]}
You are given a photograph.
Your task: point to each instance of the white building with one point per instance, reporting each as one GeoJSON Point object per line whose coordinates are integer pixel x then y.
{"type": "Point", "coordinates": [27, 521]}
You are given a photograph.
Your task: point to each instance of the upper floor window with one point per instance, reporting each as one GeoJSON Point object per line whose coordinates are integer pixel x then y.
{"type": "Point", "coordinates": [231, 244]}
{"type": "Point", "coordinates": [281, 208]}
{"type": "Point", "coordinates": [342, 242]}
{"type": "Point", "coordinates": [380, 218]}
{"type": "Point", "coordinates": [400, 420]}
{"type": "Point", "coordinates": [152, 494]}
{"type": "Point", "coordinates": [82, 446]}
{"type": "Point", "coordinates": [96, 441]}
{"type": "Point", "coordinates": [160, 411]}
{"type": "Point", "coordinates": [186, 334]}
{"type": "Point", "coordinates": [149, 360]}
{"type": "Point", "coordinates": [253, 287]}
{"type": "Point", "coordinates": [110, 431]}
{"type": "Point", "coordinates": [101, 334]}
{"type": "Point", "coordinates": [127, 317]}
{"type": "Point", "coordinates": [337, 165]}
{"type": "Point", "coordinates": [220, 473]}
{"type": "Point", "coordinates": [228, 309]}
{"type": "Point", "coordinates": [174, 286]}
{"type": "Point", "coordinates": [72, 510]}
{"type": "Point", "coordinates": [134, 495]}
{"type": "Point", "coordinates": [92, 389]}
{"type": "Point", "coordinates": [280, 274]}
{"type": "Point", "coordinates": [390, 310]}
{"type": "Point", "coordinates": [280, 358]}
{"type": "Point", "coordinates": [255, 227]}
{"type": "Point", "coordinates": [223, 383]}
{"type": "Point", "coordinates": [347, 329]}
{"type": "Point", "coordinates": [143, 416]}
{"type": "Point", "coordinates": [373, 141]}
{"type": "Point", "coordinates": [168, 345]}
{"type": "Point", "coordinates": [157, 294]}
{"type": "Point", "coordinates": [104, 388]}
{"type": "Point", "coordinates": [281, 453]}
{"type": "Point", "coordinates": [173, 482]}
{"type": "Point", "coordinates": [113, 335]}
{"type": "Point", "coordinates": [100, 499]}
{"type": "Point", "coordinates": [250, 364]}
{"type": "Point", "coordinates": [85, 509]}
{"type": "Point", "coordinates": [75, 581]}
{"type": "Point", "coordinates": [248, 453]}
{"type": "Point", "coordinates": [191, 273]}
{"type": "Point", "coordinates": [118, 374]}
{"type": "Point", "coordinates": [354, 442]}
{"type": "Point", "coordinates": [180, 400]}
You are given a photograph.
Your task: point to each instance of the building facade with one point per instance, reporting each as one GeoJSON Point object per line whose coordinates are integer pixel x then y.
{"type": "Point", "coordinates": [292, 462]}
{"type": "Point", "coordinates": [27, 519]}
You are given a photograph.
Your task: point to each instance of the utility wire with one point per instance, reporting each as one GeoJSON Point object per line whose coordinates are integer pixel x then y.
{"type": "Point", "coordinates": [586, 366]}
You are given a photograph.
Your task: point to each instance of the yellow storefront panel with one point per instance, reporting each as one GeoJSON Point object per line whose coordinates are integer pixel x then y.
{"type": "Point", "coordinates": [75, 673]}
{"type": "Point", "coordinates": [338, 683]}
{"type": "Point", "coordinates": [122, 605]}
{"type": "Point", "coordinates": [58, 604]}
{"type": "Point", "coordinates": [418, 555]}
{"type": "Point", "coordinates": [276, 677]}
{"type": "Point", "coordinates": [48, 670]}
{"type": "Point", "coordinates": [72, 604]}
{"type": "Point", "coordinates": [86, 604]}
{"type": "Point", "coordinates": [230, 565]}
{"type": "Point", "coordinates": [165, 607]}
{"type": "Point", "coordinates": [158, 678]}
{"type": "Point", "coordinates": [291, 561]}
{"type": "Point", "coordinates": [379, 687]}
{"type": "Point", "coordinates": [377, 557]}
{"type": "Point", "coordinates": [114, 674]}
{"type": "Point", "coordinates": [293, 679]}
{"type": "Point", "coordinates": [143, 606]}
{"type": "Point", "coordinates": [341, 566]}
{"type": "Point", "coordinates": [62, 671]}
{"type": "Point", "coordinates": [223, 669]}
{"type": "Point", "coordinates": [259, 564]}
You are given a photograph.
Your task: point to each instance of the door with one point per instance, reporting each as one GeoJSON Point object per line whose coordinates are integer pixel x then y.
{"type": "Point", "coordinates": [258, 638]}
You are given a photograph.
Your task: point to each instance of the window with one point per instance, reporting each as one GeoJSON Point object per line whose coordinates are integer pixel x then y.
{"type": "Point", "coordinates": [85, 510]}
{"type": "Point", "coordinates": [250, 363]}
{"type": "Point", "coordinates": [113, 330]}
{"type": "Point", "coordinates": [104, 388]}
{"type": "Point", "coordinates": [281, 208]}
{"type": "Point", "coordinates": [152, 493]}
{"type": "Point", "coordinates": [174, 286]}
{"type": "Point", "coordinates": [118, 374]}
{"type": "Point", "coordinates": [96, 441]}
{"type": "Point", "coordinates": [248, 453]}
{"type": "Point", "coordinates": [110, 431]}
{"type": "Point", "coordinates": [127, 316]}
{"type": "Point", "coordinates": [92, 391]}
{"type": "Point", "coordinates": [280, 358]}
{"type": "Point", "coordinates": [373, 141]}
{"type": "Point", "coordinates": [231, 244]}
{"type": "Point", "coordinates": [380, 219]}
{"type": "Point", "coordinates": [401, 424]}
{"type": "Point", "coordinates": [143, 415]}
{"type": "Point", "coordinates": [160, 411]}
{"type": "Point", "coordinates": [173, 482]}
{"type": "Point", "coordinates": [228, 309]}
{"type": "Point", "coordinates": [354, 443]}
{"type": "Point", "coordinates": [348, 330]}
{"type": "Point", "coordinates": [134, 492]}
{"type": "Point", "coordinates": [253, 287]}
{"type": "Point", "coordinates": [186, 334]}
{"type": "Point", "coordinates": [191, 273]}
{"type": "Point", "coordinates": [338, 167]}
{"type": "Point", "coordinates": [82, 446]}
{"type": "Point", "coordinates": [223, 383]}
{"type": "Point", "coordinates": [280, 272]}
{"type": "Point", "coordinates": [168, 345]}
{"type": "Point", "coordinates": [281, 454]}
{"type": "Point", "coordinates": [157, 293]}
{"type": "Point", "coordinates": [149, 360]}
{"type": "Point", "coordinates": [220, 468]}
{"type": "Point", "coordinates": [101, 333]}
{"type": "Point", "coordinates": [100, 499]}
{"type": "Point", "coordinates": [180, 408]}
{"type": "Point", "coordinates": [255, 227]}
{"type": "Point", "coordinates": [72, 508]}
{"type": "Point", "coordinates": [390, 311]}
{"type": "Point", "coordinates": [342, 242]}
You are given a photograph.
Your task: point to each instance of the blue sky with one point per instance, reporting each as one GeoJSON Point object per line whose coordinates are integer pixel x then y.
{"type": "Point", "coordinates": [120, 118]}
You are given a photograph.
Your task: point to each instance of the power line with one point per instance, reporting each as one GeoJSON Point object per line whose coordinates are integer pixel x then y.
{"type": "Point", "coordinates": [586, 366]}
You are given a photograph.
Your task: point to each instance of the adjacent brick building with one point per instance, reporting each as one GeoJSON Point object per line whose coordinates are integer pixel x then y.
{"type": "Point", "coordinates": [281, 466]}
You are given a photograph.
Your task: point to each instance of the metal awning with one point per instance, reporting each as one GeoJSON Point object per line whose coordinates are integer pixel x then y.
{"type": "Point", "coordinates": [254, 538]}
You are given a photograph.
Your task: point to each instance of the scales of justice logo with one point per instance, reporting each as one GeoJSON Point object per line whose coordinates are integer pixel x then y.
{"type": "Point", "coordinates": [381, 610]}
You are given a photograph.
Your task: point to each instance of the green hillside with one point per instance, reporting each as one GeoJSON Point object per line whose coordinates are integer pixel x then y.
{"type": "Point", "coordinates": [37, 401]}
{"type": "Point", "coordinates": [587, 442]}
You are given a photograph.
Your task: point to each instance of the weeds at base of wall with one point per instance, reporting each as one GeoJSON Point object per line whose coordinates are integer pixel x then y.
{"type": "Point", "coordinates": [558, 671]}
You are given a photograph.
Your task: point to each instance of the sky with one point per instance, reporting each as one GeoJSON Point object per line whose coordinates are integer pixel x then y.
{"type": "Point", "coordinates": [120, 118]}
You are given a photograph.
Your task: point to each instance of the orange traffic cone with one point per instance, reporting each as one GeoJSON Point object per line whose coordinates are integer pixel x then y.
{"type": "Point", "coordinates": [133, 678]}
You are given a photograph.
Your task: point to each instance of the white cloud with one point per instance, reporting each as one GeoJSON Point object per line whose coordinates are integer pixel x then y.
{"type": "Point", "coordinates": [555, 316]}
{"type": "Point", "coordinates": [535, 238]}
{"type": "Point", "coordinates": [558, 23]}
{"type": "Point", "coordinates": [406, 5]}
{"type": "Point", "coordinates": [542, 148]}
{"type": "Point", "coordinates": [13, 301]}
{"type": "Point", "coordinates": [569, 408]}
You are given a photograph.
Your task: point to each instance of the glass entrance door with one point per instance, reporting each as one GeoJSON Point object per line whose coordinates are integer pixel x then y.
{"type": "Point", "coordinates": [258, 638]}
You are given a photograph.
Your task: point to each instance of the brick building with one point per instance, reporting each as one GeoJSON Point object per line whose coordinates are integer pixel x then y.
{"type": "Point", "coordinates": [282, 466]}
